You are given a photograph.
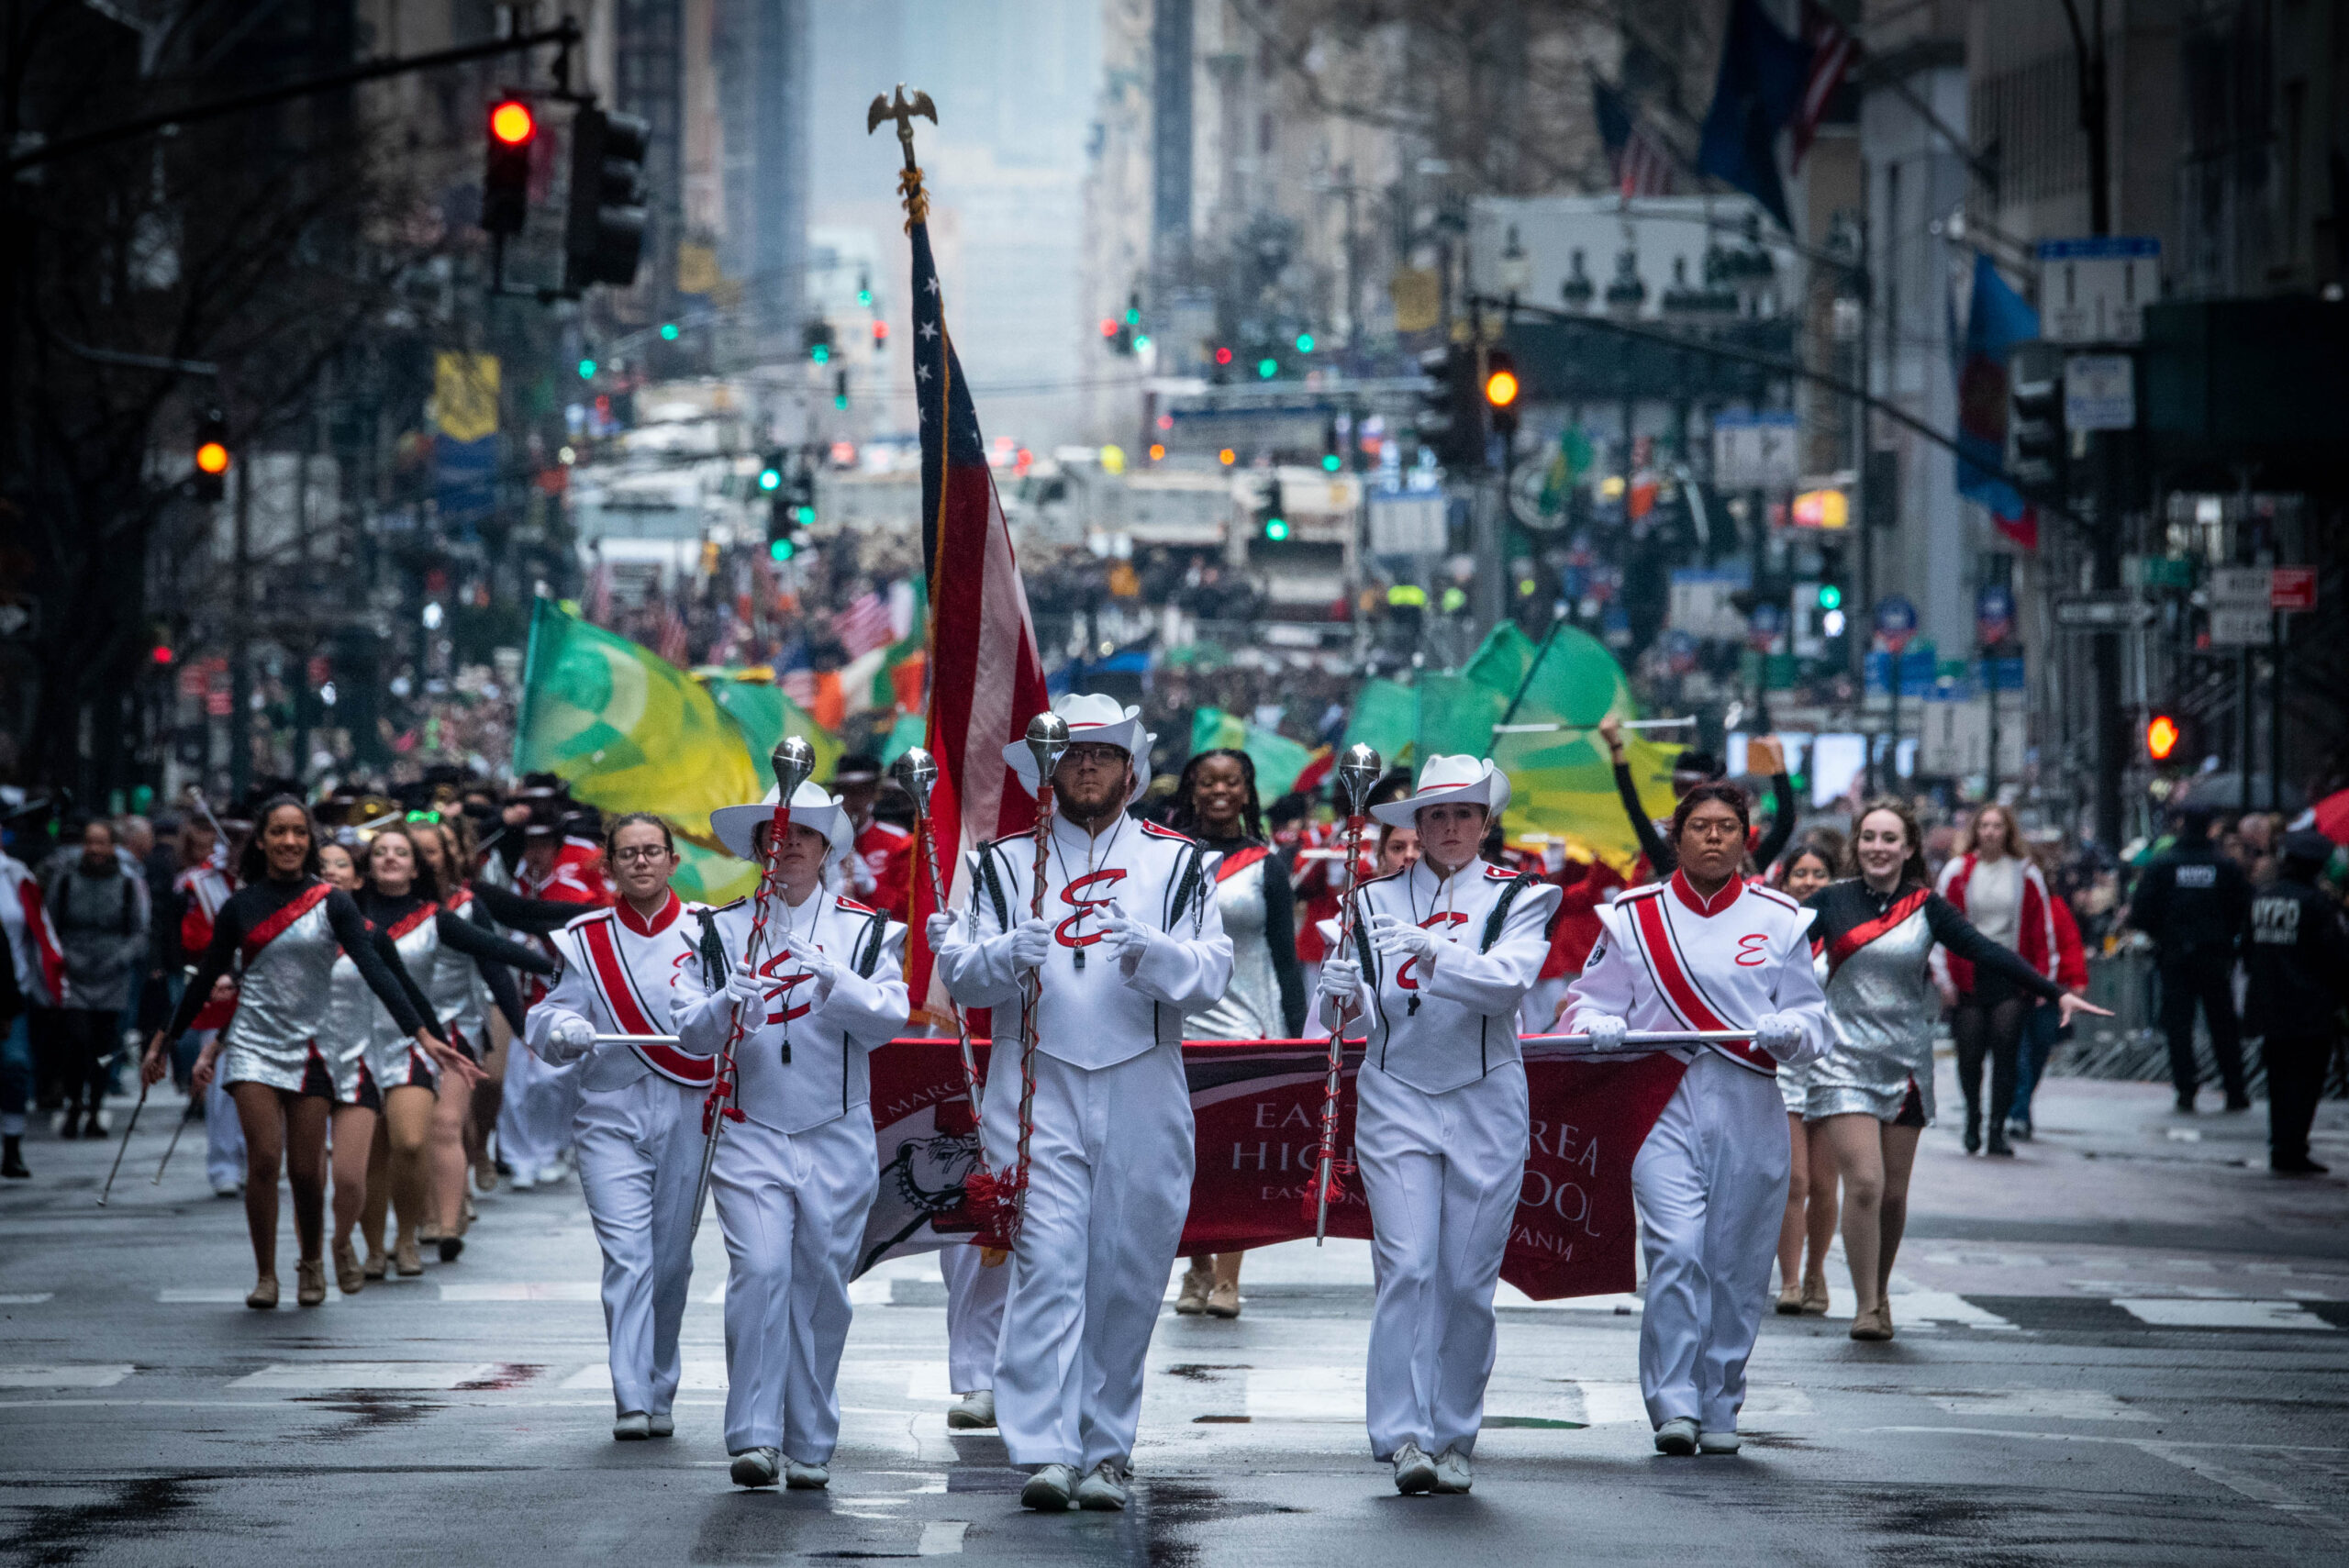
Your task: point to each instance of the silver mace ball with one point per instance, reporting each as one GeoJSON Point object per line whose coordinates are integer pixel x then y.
{"type": "Point", "coordinates": [1047, 740]}
{"type": "Point", "coordinates": [793, 762]}
{"type": "Point", "coordinates": [916, 773]}
{"type": "Point", "coordinates": [1358, 772]}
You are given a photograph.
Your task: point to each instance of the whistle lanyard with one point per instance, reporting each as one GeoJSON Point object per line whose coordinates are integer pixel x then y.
{"type": "Point", "coordinates": [1076, 953]}
{"type": "Point", "coordinates": [1448, 889]}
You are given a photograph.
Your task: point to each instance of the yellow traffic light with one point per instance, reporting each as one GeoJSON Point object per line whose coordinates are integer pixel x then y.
{"type": "Point", "coordinates": [211, 457]}
{"type": "Point", "coordinates": [2162, 735]}
{"type": "Point", "coordinates": [1500, 388]}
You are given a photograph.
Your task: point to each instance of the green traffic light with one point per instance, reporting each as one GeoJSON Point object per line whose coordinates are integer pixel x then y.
{"type": "Point", "coordinates": [1305, 342]}
{"type": "Point", "coordinates": [1141, 341]}
{"type": "Point", "coordinates": [1331, 463]}
{"type": "Point", "coordinates": [1134, 317]}
{"type": "Point", "coordinates": [821, 353]}
{"type": "Point", "coordinates": [668, 331]}
{"type": "Point", "coordinates": [1830, 597]}
{"type": "Point", "coordinates": [864, 296]}
{"type": "Point", "coordinates": [586, 370]}
{"type": "Point", "coordinates": [770, 480]}
{"type": "Point", "coordinates": [1268, 368]}
{"type": "Point", "coordinates": [804, 516]}
{"type": "Point", "coordinates": [840, 401]}
{"type": "Point", "coordinates": [780, 549]}
{"type": "Point", "coordinates": [1276, 527]}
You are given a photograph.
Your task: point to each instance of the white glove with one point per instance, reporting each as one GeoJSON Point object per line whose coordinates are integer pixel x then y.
{"type": "Point", "coordinates": [938, 928]}
{"type": "Point", "coordinates": [1605, 1033]}
{"type": "Point", "coordinates": [1341, 980]}
{"type": "Point", "coordinates": [1124, 935]}
{"type": "Point", "coordinates": [1780, 1034]}
{"type": "Point", "coordinates": [745, 985]}
{"type": "Point", "coordinates": [801, 950]}
{"type": "Point", "coordinates": [1395, 937]}
{"type": "Point", "coordinates": [1032, 941]}
{"type": "Point", "coordinates": [568, 1038]}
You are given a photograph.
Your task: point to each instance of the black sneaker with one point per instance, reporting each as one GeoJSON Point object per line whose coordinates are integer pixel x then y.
{"type": "Point", "coordinates": [2185, 1105]}
{"type": "Point", "coordinates": [2238, 1103]}
{"type": "Point", "coordinates": [2283, 1166]}
{"type": "Point", "coordinates": [12, 1161]}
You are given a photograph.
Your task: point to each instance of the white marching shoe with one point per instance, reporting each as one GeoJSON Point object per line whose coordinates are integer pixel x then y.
{"type": "Point", "coordinates": [757, 1466]}
{"type": "Point", "coordinates": [1104, 1486]}
{"type": "Point", "coordinates": [1452, 1474]}
{"type": "Point", "coordinates": [1414, 1471]}
{"type": "Point", "coordinates": [631, 1425]}
{"type": "Point", "coordinates": [801, 1478]}
{"type": "Point", "coordinates": [1049, 1490]}
{"type": "Point", "coordinates": [1718, 1442]}
{"type": "Point", "coordinates": [661, 1425]}
{"type": "Point", "coordinates": [1677, 1437]}
{"type": "Point", "coordinates": [976, 1410]}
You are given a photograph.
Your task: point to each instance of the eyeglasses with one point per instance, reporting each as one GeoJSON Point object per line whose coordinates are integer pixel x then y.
{"type": "Point", "coordinates": [423, 817]}
{"type": "Point", "coordinates": [645, 852]}
{"type": "Point", "coordinates": [1095, 755]}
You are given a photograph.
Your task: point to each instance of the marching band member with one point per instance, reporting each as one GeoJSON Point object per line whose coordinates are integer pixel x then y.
{"type": "Point", "coordinates": [796, 1171]}
{"type": "Point", "coordinates": [286, 926]}
{"type": "Point", "coordinates": [881, 866]}
{"type": "Point", "coordinates": [638, 1105]}
{"type": "Point", "coordinates": [1131, 942]}
{"type": "Point", "coordinates": [539, 1102]}
{"type": "Point", "coordinates": [1445, 952]}
{"type": "Point", "coordinates": [203, 887]}
{"type": "Point", "coordinates": [1703, 949]}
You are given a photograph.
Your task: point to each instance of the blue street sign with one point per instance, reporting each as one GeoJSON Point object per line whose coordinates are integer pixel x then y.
{"type": "Point", "coordinates": [1994, 615]}
{"type": "Point", "coordinates": [1895, 621]}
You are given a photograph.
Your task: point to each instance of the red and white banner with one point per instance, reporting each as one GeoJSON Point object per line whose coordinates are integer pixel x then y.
{"type": "Point", "coordinates": [1258, 1108]}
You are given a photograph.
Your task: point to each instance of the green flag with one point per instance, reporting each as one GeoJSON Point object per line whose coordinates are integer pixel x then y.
{"type": "Point", "coordinates": [1386, 716]}
{"type": "Point", "coordinates": [766, 715]}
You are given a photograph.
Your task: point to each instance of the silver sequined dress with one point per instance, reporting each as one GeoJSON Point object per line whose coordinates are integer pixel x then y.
{"type": "Point", "coordinates": [1881, 1013]}
{"type": "Point", "coordinates": [1250, 1007]}
{"type": "Point", "coordinates": [281, 997]}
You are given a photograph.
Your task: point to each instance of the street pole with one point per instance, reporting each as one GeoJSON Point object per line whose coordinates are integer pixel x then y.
{"type": "Point", "coordinates": [2275, 713]}
{"type": "Point", "coordinates": [1758, 516]}
{"type": "Point", "coordinates": [240, 678]}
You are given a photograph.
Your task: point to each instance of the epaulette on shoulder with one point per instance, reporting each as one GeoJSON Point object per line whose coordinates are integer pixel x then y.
{"type": "Point", "coordinates": [1648, 891]}
{"type": "Point", "coordinates": [1501, 873]}
{"type": "Point", "coordinates": [852, 906]}
{"type": "Point", "coordinates": [1160, 830]}
{"type": "Point", "coordinates": [1773, 894]}
{"type": "Point", "coordinates": [1374, 881]}
{"type": "Point", "coordinates": [730, 903]}
{"type": "Point", "coordinates": [589, 919]}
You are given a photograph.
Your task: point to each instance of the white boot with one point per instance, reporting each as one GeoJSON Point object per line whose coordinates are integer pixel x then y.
{"type": "Point", "coordinates": [978, 1409]}
{"type": "Point", "coordinates": [1677, 1436]}
{"type": "Point", "coordinates": [1452, 1473]}
{"type": "Point", "coordinates": [1414, 1471]}
{"type": "Point", "coordinates": [1718, 1442]}
{"type": "Point", "coordinates": [1048, 1491]}
{"type": "Point", "coordinates": [631, 1427]}
{"type": "Point", "coordinates": [801, 1478]}
{"type": "Point", "coordinates": [757, 1466]}
{"type": "Point", "coordinates": [1103, 1488]}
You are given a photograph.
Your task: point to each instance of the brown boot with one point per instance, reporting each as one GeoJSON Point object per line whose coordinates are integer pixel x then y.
{"type": "Point", "coordinates": [310, 1282]}
{"type": "Point", "coordinates": [1871, 1323]}
{"type": "Point", "coordinates": [1194, 1297]}
{"type": "Point", "coordinates": [1814, 1295]}
{"type": "Point", "coordinates": [349, 1277]}
{"type": "Point", "coordinates": [405, 1258]}
{"type": "Point", "coordinates": [264, 1294]}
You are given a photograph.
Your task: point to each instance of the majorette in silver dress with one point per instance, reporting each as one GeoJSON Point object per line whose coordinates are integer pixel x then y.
{"type": "Point", "coordinates": [280, 1003]}
{"type": "Point", "coordinates": [1250, 1007]}
{"type": "Point", "coordinates": [1881, 1005]}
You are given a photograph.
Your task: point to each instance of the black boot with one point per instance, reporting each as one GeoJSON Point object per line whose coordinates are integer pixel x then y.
{"type": "Point", "coordinates": [1998, 1145]}
{"type": "Point", "coordinates": [12, 1158]}
{"type": "Point", "coordinates": [1972, 1129]}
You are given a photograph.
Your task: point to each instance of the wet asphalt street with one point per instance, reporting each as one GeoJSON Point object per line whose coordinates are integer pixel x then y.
{"type": "Point", "coordinates": [2131, 1345]}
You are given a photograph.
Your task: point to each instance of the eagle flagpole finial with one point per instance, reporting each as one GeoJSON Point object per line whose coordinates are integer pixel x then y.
{"type": "Point", "coordinates": [902, 110]}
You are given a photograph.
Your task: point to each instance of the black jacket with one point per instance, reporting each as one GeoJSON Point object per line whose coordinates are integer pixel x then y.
{"type": "Point", "coordinates": [2298, 961]}
{"type": "Point", "coordinates": [2192, 901]}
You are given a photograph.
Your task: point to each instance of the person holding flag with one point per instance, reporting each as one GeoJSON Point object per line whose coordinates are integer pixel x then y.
{"type": "Point", "coordinates": [1705, 950]}
{"type": "Point", "coordinates": [1444, 953]}
{"type": "Point", "coordinates": [796, 1165]}
{"type": "Point", "coordinates": [1131, 941]}
{"type": "Point", "coordinates": [638, 1108]}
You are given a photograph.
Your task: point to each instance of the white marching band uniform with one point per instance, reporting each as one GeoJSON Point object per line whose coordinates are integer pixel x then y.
{"type": "Point", "coordinates": [636, 1130]}
{"type": "Point", "coordinates": [1711, 1179]}
{"type": "Point", "coordinates": [794, 1179]}
{"type": "Point", "coordinates": [1111, 1151]}
{"type": "Point", "coordinates": [1442, 1117]}
{"type": "Point", "coordinates": [207, 888]}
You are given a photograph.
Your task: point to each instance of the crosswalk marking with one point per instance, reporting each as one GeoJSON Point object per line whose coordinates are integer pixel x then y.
{"type": "Point", "coordinates": [519, 1290]}
{"type": "Point", "coordinates": [28, 1298]}
{"type": "Point", "coordinates": [81, 1376]}
{"type": "Point", "coordinates": [2165, 1312]}
{"type": "Point", "coordinates": [2054, 1403]}
{"type": "Point", "coordinates": [943, 1537]}
{"type": "Point", "coordinates": [695, 1374]}
{"type": "Point", "coordinates": [368, 1374]}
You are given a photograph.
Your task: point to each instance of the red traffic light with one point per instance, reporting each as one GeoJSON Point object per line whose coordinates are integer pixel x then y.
{"type": "Point", "coordinates": [2162, 735]}
{"type": "Point", "coordinates": [1223, 356]}
{"type": "Point", "coordinates": [162, 654]}
{"type": "Point", "coordinates": [512, 123]}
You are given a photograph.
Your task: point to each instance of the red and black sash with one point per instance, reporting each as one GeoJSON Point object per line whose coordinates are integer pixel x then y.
{"type": "Point", "coordinates": [1866, 931]}
{"type": "Point", "coordinates": [609, 974]}
{"type": "Point", "coordinates": [1680, 990]}
{"type": "Point", "coordinates": [410, 921]}
{"type": "Point", "coordinates": [1240, 860]}
{"type": "Point", "coordinates": [294, 908]}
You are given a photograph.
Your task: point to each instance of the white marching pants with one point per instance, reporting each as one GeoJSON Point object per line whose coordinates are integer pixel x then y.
{"type": "Point", "coordinates": [535, 1115]}
{"type": "Point", "coordinates": [1443, 1173]}
{"type": "Point", "coordinates": [975, 1298]}
{"type": "Point", "coordinates": [792, 1206]}
{"type": "Point", "coordinates": [639, 1154]}
{"type": "Point", "coordinates": [1109, 1187]}
{"type": "Point", "coordinates": [1712, 1183]}
{"type": "Point", "coordinates": [223, 1135]}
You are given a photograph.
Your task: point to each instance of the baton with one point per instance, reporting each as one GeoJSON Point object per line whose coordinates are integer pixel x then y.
{"type": "Point", "coordinates": [1554, 729]}
{"type": "Point", "coordinates": [915, 772]}
{"type": "Point", "coordinates": [793, 760]}
{"type": "Point", "coordinates": [1047, 742]}
{"type": "Point", "coordinates": [1356, 776]}
{"type": "Point", "coordinates": [636, 1040]}
{"type": "Point", "coordinates": [130, 1128]}
{"type": "Point", "coordinates": [1580, 1043]}
{"type": "Point", "coordinates": [172, 1146]}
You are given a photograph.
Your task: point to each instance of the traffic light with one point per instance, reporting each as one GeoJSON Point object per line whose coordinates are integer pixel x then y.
{"type": "Point", "coordinates": [2172, 737]}
{"type": "Point", "coordinates": [791, 511]}
{"type": "Point", "coordinates": [771, 473]}
{"type": "Point", "coordinates": [1500, 388]}
{"type": "Point", "coordinates": [2035, 440]}
{"type": "Point", "coordinates": [815, 340]}
{"type": "Point", "coordinates": [505, 174]}
{"type": "Point", "coordinates": [1275, 513]}
{"type": "Point", "coordinates": [1332, 456]}
{"type": "Point", "coordinates": [839, 389]}
{"type": "Point", "coordinates": [1451, 420]}
{"type": "Point", "coordinates": [603, 237]}
{"type": "Point", "coordinates": [212, 457]}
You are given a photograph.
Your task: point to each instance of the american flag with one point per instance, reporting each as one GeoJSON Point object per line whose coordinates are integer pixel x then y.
{"type": "Point", "coordinates": [675, 644]}
{"type": "Point", "coordinates": [797, 674]}
{"type": "Point", "coordinates": [1642, 163]}
{"type": "Point", "coordinates": [863, 626]}
{"type": "Point", "coordinates": [986, 681]}
{"type": "Point", "coordinates": [1831, 53]}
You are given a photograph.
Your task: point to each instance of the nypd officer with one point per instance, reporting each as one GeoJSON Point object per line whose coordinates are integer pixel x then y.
{"type": "Point", "coordinates": [2193, 902]}
{"type": "Point", "coordinates": [2298, 956]}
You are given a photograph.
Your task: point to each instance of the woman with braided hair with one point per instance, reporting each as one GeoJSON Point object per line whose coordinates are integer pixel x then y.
{"type": "Point", "coordinates": [1215, 802]}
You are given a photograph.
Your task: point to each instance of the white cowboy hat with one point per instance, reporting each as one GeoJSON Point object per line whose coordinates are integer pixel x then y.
{"type": "Point", "coordinates": [812, 806]}
{"type": "Point", "coordinates": [1092, 720]}
{"type": "Point", "coordinates": [1474, 780]}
